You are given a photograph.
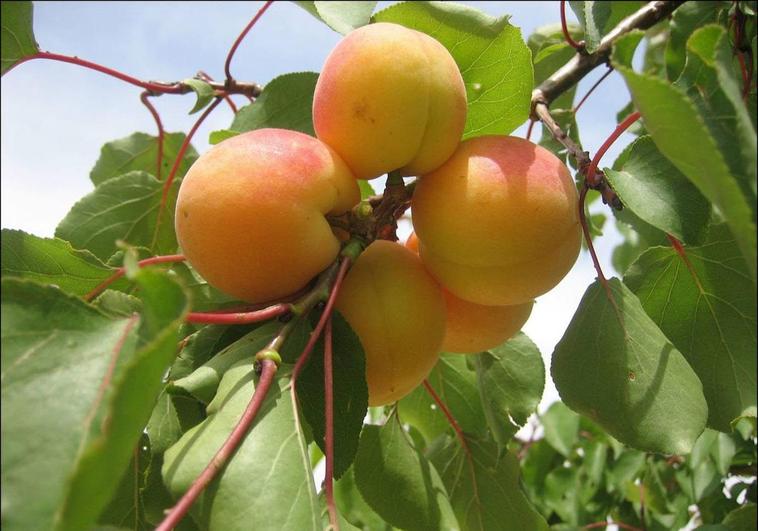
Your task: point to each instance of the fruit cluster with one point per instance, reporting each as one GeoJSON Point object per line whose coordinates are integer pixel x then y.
{"type": "Point", "coordinates": [495, 216]}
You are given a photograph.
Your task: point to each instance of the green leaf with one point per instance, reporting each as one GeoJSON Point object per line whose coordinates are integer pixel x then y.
{"type": "Point", "coordinates": [139, 152]}
{"type": "Point", "coordinates": [349, 392]}
{"type": "Point", "coordinates": [350, 504]}
{"type": "Point", "coordinates": [286, 103]}
{"type": "Point", "coordinates": [203, 382]}
{"type": "Point", "coordinates": [550, 51]}
{"type": "Point", "coordinates": [122, 208]}
{"type": "Point", "coordinates": [484, 488]}
{"type": "Point", "coordinates": [684, 21]}
{"type": "Point", "coordinates": [510, 378]}
{"type": "Point", "coordinates": [117, 304]}
{"type": "Point", "coordinates": [711, 83]}
{"type": "Point", "coordinates": [17, 35]}
{"type": "Point", "coordinates": [742, 519]}
{"type": "Point", "coordinates": [125, 508]}
{"type": "Point", "coordinates": [398, 482]}
{"type": "Point", "coordinates": [171, 417]}
{"type": "Point", "coordinates": [267, 483]}
{"type": "Point", "coordinates": [204, 296]}
{"type": "Point", "coordinates": [203, 90]}
{"type": "Point", "coordinates": [52, 261]}
{"type": "Point", "coordinates": [98, 381]}
{"type": "Point", "coordinates": [707, 310]}
{"type": "Point", "coordinates": [222, 134]}
{"type": "Point", "coordinates": [456, 385]}
{"type": "Point", "coordinates": [654, 189]}
{"type": "Point", "coordinates": [598, 18]}
{"type": "Point", "coordinates": [682, 136]}
{"type": "Point", "coordinates": [340, 16]}
{"type": "Point", "coordinates": [493, 59]}
{"type": "Point", "coordinates": [561, 427]}
{"type": "Point", "coordinates": [615, 366]}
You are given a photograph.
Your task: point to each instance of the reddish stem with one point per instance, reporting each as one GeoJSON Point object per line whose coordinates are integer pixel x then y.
{"type": "Point", "coordinates": [120, 272]}
{"type": "Point", "coordinates": [329, 421]}
{"type": "Point", "coordinates": [242, 35]}
{"type": "Point", "coordinates": [745, 76]}
{"type": "Point", "coordinates": [239, 317]}
{"type": "Point", "coordinates": [160, 88]}
{"type": "Point", "coordinates": [458, 431]}
{"type": "Point", "coordinates": [620, 128]}
{"type": "Point", "coordinates": [529, 129]}
{"type": "Point", "coordinates": [602, 78]}
{"type": "Point", "coordinates": [564, 26]}
{"type": "Point", "coordinates": [591, 247]}
{"type": "Point", "coordinates": [226, 451]}
{"type": "Point", "coordinates": [177, 163]}
{"type": "Point", "coordinates": [302, 360]}
{"type": "Point", "coordinates": [144, 97]}
{"type": "Point", "coordinates": [679, 248]}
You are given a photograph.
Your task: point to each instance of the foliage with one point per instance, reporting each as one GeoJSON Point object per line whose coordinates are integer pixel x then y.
{"type": "Point", "coordinates": [656, 371]}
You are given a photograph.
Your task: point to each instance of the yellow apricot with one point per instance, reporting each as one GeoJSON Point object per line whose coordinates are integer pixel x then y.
{"type": "Point", "coordinates": [471, 328]}
{"type": "Point", "coordinates": [250, 212]}
{"type": "Point", "coordinates": [398, 312]}
{"type": "Point", "coordinates": [498, 222]}
{"type": "Point", "coordinates": [390, 98]}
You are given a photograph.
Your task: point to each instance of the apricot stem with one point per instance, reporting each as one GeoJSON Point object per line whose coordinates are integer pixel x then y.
{"type": "Point", "coordinates": [578, 46]}
{"type": "Point", "coordinates": [226, 451]}
{"type": "Point", "coordinates": [329, 421]}
{"type": "Point", "coordinates": [241, 36]}
{"type": "Point", "coordinates": [233, 318]}
{"type": "Point", "coordinates": [620, 128]}
{"type": "Point", "coordinates": [121, 271]}
{"type": "Point", "coordinates": [157, 117]}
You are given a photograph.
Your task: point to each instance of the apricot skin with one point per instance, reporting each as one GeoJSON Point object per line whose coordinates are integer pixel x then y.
{"type": "Point", "coordinates": [398, 312]}
{"type": "Point", "coordinates": [498, 222]}
{"type": "Point", "coordinates": [471, 328]}
{"type": "Point", "coordinates": [390, 98]}
{"type": "Point", "coordinates": [250, 212]}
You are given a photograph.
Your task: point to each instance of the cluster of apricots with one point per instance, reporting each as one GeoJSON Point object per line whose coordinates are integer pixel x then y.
{"type": "Point", "coordinates": [495, 217]}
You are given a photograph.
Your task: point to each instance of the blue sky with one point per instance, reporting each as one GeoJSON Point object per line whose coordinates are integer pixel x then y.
{"type": "Point", "coordinates": [55, 117]}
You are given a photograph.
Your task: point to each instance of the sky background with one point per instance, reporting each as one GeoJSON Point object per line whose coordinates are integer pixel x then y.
{"type": "Point", "coordinates": [56, 116]}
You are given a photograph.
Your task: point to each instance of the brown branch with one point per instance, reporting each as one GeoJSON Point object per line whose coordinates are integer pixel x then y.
{"type": "Point", "coordinates": [581, 64]}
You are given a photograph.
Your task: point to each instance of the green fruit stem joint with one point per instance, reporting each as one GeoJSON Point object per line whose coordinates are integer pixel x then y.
{"type": "Point", "coordinates": [269, 354]}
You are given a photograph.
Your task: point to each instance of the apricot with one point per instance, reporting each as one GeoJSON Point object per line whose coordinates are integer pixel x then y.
{"type": "Point", "coordinates": [390, 98]}
{"type": "Point", "coordinates": [471, 328]}
{"type": "Point", "coordinates": [498, 222]}
{"type": "Point", "coordinates": [398, 312]}
{"type": "Point", "coordinates": [250, 216]}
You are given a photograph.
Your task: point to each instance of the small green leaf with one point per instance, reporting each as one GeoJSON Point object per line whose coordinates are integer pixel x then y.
{"type": "Point", "coordinates": [350, 393]}
{"type": "Point", "coordinates": [139, 152]}
{"type": "Point", "coordinates": [615, 366]}
{"type": "Point", "coordinates": [398, 482]}
{"type": "Point", "coordinates": [17, 35]}
{"type": "Point", "coordinates": [656, 191]}
{"type": "Point", "coordinates": [267, 483]}
{"type": "Point", "coordinates": [286, 103]}
{"type": "Point", "coordinates": [561, 427]}
{"type": "Point", "coordinates": [342, 17]}
{"type": "Point", "coordinates": [682, 136]}
{"type": "Point", "coordinates": [484, 488]}
{"type": "Point", "coordinates": [598, 18]}
{"type": "Point", "coordinates": [219, 136]}
{"type": "Point", "coordinates": [510, 379]}
{"type": "Point", "coordinates": [493, 59]}
{"type": "Point", "coordinates": [117, 304]}
{"type": "Point", "coordinates": [203, 90]}
{"type": "Point", "coordinates": [122, 208]}
{"type": "Point", "coordinates": [708, 310]}
{"type": "Point", "coordinates": [53, 261]}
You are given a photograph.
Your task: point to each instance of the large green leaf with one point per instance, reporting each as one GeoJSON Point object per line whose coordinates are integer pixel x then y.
{"type": "Point", "coordinates": [510, 378]}
{"type": "Point", "coordinates": [656, 191]}
{"type": "Point", "coordinates": [684, 21]}
{"type": "Point", "coordinates": [484, 488]}
{"type": "Point", "coordinates": [17, 36]}
{"type": "Point", "coordinates": [615, 366]}
{"type": "Point", "coordinates": [456, 385]}
{"type": "Point", "coordinates": [52, 261]}
{"type": "Point", "coordinates": [267, 483]}
{"type": "Point", "coordinates": [708, 311]}
{"type": "Point", "coordinates": [122, 208]}
{"type": "Point", "coordinates": [682, 135]}
{"type": "Point", "coordinates": [97, 378]}
{"type": "Point", "coordinates": [286, 103]}
{"type": "Point", "coordinates": [493, 59]}
{"type": "Point", "coordinates": [139, 152]}
{"type": "Point", "coordinates": [342, 17]}
{"type": "Point", "coordinates": [349, 392]}
{"type": "Point", "coordinates": [398, 482]}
